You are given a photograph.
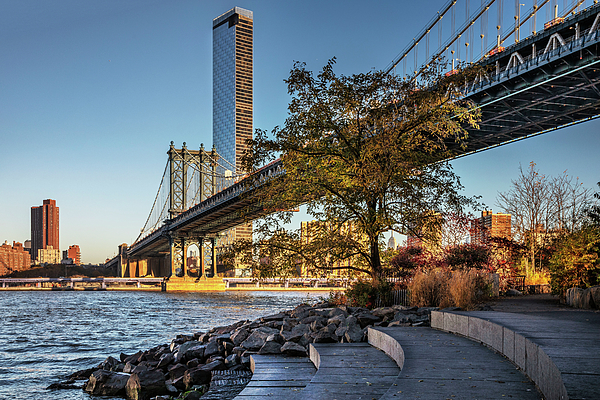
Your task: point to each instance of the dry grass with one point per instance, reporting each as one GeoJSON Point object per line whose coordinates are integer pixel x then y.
{"type": "Point", "coordinates": [436, 288]}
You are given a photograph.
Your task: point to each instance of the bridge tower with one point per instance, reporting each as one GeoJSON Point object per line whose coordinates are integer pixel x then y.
{"type": "Point", "coordinates": [192, 179]}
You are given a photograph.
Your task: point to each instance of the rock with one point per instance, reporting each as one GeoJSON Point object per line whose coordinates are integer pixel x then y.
{"type": "Point", "coordinates": [239, 336]}
{"type": "Point", "coordinates": [312, 318]}
{"type": "Point", "coordinates": [384, 313]}
{"type": "Point", "coordinates": [276, 337]}
{"type": "Point", "coordinates": [275, 317]}
{"type": "Point", "coordinates": [201, 375]}
{"type": "Point", "coordinates": [192, 363]}
{"type": "Point", "coordinates": [146, 384]}
{"type": "Point", "coordinates": [337, 320]}
{"type": "Point", "coordinates": [134, 358]}
{"type": "Point", "coordinates": [106, 383]}
{"type": "Point", "coordinates": [426, 310]}
{"type": "Point", "coordinates": [317, 325]}
{"type": "Point", "coordinates": [212, 348]}
{"type": "Point", "coordinates": [177, 371]}
{"type": "Point", "coordinates": [293, 349]}
{"type": "Point", "coordinates": [109, 364]}
{"type": "Point", "coordinates": [63, 385]}
{"type": "Point", "coordinates": [81, 375]}
{"type": "Point", "coordinates": [289, 324]}
{"type": "Point", "coordinates": [366, 319]}
{"type": "Point", "coordinates": [324, 336]}
{"type": "Point", "coordinates": [190, 350]}
{"type": "Point", "coordinates": [232, 360]}
{"type": "Point", "coordinates": [270, 347]}
{"type": "Point", "coordinates": [354, 332]}
{"type": "Point", "coordinates": [341, 331]}
{"type": "Point", "coordinates": [165, 360]}
{"type": "Point", "coordinates": [255, 341]}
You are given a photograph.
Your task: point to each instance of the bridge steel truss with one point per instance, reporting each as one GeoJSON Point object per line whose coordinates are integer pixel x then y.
{"type": "Point", "coordinates": [543, 83]}
{"type": "Point", "coordinates": [203, 223]}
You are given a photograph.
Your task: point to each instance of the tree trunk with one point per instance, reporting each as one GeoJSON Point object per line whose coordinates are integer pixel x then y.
{"type": "Point", "coordinates": [376, 270]}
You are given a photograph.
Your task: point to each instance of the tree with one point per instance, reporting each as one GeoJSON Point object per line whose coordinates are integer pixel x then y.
{"type": "Point", "coordinates": [593, 211]}
{"type": "Point", "coordinates": [544, 209]}
{"type": "Point", "coordinates": [365, 154]}
{"type": "Point", "coordinates": [528, 201]}
{"type": "Point", "coordinates": [576, 262]}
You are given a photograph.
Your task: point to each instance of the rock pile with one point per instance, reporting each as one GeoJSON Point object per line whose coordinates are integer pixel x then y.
{"type": "Point", "coordinates": [189, 361]}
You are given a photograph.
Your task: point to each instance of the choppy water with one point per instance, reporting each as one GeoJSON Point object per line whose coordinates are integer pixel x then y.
{"type": "Point", "coordinates": [45, 336]}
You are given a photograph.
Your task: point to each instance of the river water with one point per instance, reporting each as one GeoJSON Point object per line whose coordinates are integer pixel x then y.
{"type": "Point", "coordinates": [45, 336]}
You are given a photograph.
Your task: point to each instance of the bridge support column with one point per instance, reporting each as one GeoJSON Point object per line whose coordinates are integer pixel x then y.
{"type": "Point", "coordinates": [176, 256]}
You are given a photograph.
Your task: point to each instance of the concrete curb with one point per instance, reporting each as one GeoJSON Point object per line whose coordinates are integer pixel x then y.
{"type": "Point", "coordinates": [388, 345]}
{"type": "Point", "coordinates": [528, 356]}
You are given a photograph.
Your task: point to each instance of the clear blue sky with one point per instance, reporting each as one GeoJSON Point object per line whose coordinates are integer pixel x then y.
{"type": "Point", "coordinates": [92, 93]}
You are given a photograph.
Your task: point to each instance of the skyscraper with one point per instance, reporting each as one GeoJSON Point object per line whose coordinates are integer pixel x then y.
{"type": "Point", "coordinates": [232, 93]}
{"type": "Point", "coordinates": [44, 227]}
{"type": "Point", "coordinates": [232, 84]}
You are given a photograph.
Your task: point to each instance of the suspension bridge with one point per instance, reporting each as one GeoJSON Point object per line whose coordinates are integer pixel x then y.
{"type": "Point", "coordinates": [541, 72]}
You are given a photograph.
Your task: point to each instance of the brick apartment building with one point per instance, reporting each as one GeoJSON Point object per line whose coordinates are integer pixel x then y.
{"type": "Point", "coordinates": [13, 258]}
{"type": "Point", "coordinates": [44, 228]}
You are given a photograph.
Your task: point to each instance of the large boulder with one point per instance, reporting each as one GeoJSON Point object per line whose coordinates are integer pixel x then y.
{"type": "Point", "coordinates": [106, 383]}
{"type": "Point", "coordinates": [146, 384]}
{"type": "Point", "coordinates": [270, 347]}
{"type": "Point", "coordinates": [354, 333]}
{"type": "Point", "coordinates": [239, 336]}
{"type": "Point", "coordinates": [256, 340]}
{"type": "Point", "coordinates": [293, 349]}
{"type": "Point", "coordinates": [201, 375]}
{"type": "Point", "coordinates": [366, 318]}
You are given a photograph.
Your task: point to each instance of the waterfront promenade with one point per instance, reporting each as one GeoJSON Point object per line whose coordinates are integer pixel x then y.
{"type": "Point", "coordinates": [531, 348]}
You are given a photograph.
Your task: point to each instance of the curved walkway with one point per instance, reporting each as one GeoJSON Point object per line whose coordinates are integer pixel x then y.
{"type": "Point", "coordinates": [439, 365]}
{"type": "Point", "coordinates": [557, 346]}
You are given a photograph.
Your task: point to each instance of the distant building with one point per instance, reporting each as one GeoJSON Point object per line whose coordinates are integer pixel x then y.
{"type": "Point", "coordinates": [49, 255]}
{"type": "Point", "coordinates": [392, 244]}
{"type": "Point", "coordinates": [73, 253]}
{"type": "Point", "coordinates": [233, 96]}
{"type": "Point", "coordinates": [13, 258]}
{"type": "Point", "coordinates": [44, 228]}
{"type": "Point", "coordinates": [491, 225]}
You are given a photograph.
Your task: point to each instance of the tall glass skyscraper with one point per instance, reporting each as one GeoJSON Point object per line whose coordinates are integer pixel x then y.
{"type": "Point", "coordinates": [232, 94]}
{"type": "Point", "coordinates": [232, 84]}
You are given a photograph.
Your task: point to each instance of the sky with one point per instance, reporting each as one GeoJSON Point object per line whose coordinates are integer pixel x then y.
{"type": "Point", "coordinates": [93, 92]}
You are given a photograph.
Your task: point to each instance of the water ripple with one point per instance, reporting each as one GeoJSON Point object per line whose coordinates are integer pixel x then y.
{"type": "Point", "coordinates": [45, 336]}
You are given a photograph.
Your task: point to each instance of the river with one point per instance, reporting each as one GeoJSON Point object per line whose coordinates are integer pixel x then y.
{"type": "Point", "coordinates": [45, 336]}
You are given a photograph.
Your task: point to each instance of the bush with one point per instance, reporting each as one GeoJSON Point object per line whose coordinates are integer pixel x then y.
{"type": "Point", "coordinates": [440, 288]}
{"type": "Point", "coordinates": [576, 261]}
{"type": "Point", "coordinates": [363, 293]}
{"type": "Point", "coordinates": [429, 289]}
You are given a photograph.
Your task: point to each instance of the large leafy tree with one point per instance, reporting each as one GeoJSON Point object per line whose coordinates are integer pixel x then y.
{"type": "Point", "coordinates": [365, 154]}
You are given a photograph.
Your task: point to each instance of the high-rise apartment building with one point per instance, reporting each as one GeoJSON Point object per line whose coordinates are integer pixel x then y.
{"type": "Point", "coordinates": [44, 227]}
{"type": "Point", "coordinates": [232, 84]}
{"type": "Point", "coordinates": [491, 225]}
{"type": "Point", "coordinates": [233, 94]}
{"type": "Point", "coordinates": [73, 253]}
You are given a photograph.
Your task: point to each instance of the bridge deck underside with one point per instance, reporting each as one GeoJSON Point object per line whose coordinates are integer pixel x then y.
{"type": "Point", "coordinates": [557, 89]}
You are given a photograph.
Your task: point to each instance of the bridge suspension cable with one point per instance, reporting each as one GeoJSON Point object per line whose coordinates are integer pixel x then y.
{"type": "Point", "coordinates": [465, 36]}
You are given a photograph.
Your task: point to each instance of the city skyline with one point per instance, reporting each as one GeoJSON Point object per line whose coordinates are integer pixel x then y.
{"type": "Point", "coordinates": [93, 93]}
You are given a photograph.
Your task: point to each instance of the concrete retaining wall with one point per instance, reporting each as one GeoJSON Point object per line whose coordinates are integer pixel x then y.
{"type": "Point", "coordinates": [521, 351]}
{"type": "Point", "coordinates": [388, 345]}
{"type": "Point", "coordinates": [584, 298]}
